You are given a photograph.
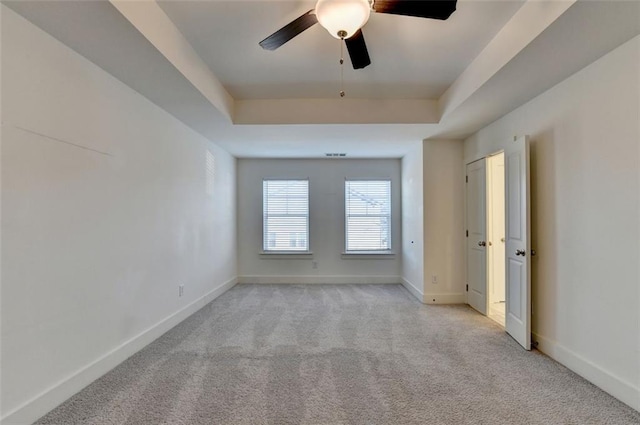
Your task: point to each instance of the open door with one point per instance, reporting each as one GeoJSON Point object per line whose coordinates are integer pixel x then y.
{"type": "Point", "coordinates": [518, 242]}
{"type": "Point", "coordinates": [477, 235]}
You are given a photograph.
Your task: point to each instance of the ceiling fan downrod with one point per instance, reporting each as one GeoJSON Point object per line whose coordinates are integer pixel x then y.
{"type": "Point", "coordinates": [342, 35]}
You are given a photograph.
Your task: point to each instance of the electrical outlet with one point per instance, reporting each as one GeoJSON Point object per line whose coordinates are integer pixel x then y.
{"type": "Point", "coordinates": [314, 265]}
{"type": "Point", "coordinates": [434, 278]}
{"type": "Point", "coordinates": [180, 290]}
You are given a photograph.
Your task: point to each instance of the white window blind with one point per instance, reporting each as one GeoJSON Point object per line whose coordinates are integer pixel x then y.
{"type": "Point", "coordinates": [285, 215]}
{"type": "Point", "coordinates": [368, 215]}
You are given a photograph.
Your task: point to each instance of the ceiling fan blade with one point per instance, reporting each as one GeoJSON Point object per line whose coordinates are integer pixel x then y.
{"type": "Point", "coordinates": [434, 9]}
{"type": "Point", "coordinates": [289, 31]}
{"type": "Point", "coordinates": [358, 50]}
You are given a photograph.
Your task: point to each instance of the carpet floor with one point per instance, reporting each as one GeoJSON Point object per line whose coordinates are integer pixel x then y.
{"type": "Point", "coordinates": [338, 354]}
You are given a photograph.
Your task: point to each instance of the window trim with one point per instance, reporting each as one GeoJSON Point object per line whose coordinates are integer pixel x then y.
{"type": "Point", "coordinates": [286, 255]}
{"type": "Point", "coordinates": [267, 253]}
{"type": "Point", "coordinates": [368, 255]}
{"type": "Point", "coordinates": [373, 253]}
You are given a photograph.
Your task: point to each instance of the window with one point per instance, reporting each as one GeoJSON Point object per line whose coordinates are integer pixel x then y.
{"type": "Point", "coordinates": [368, 215]}
{"type": "Point", "coordinates": [285, 215]}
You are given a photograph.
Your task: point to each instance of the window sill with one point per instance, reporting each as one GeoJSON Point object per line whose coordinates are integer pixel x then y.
{"type": "Point", "coordinates": [369, 255]}
{"type": "Point", "coordinates": [286, 255]}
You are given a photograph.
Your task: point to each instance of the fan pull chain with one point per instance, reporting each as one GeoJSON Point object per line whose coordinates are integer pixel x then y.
{"type": "Point", "coordinates": [341, 63]}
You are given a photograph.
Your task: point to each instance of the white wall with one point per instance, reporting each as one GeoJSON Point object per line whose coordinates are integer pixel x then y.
{"type": "Point", "coordinates": [413, 222]}
{"type": "Point", "coordinates": [443, 222]}
{"type": "Point", "coordinates": [326, 229]}
{"type": "Point", "coordinates": [108, 203]}
{"type": "Point", "coordinates": [433, 222]}
{"type": "Point", "coordinates": [585, 217]}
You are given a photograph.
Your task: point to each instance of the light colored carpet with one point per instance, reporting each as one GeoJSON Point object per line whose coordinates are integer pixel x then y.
{"type": "Point", "coordinates": [338, 354]}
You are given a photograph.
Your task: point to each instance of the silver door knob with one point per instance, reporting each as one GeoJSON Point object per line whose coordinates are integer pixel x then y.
{"type": "Point", "coordinates": [482, 243]}
{"type": "Point", "coordinates": [520, 252]}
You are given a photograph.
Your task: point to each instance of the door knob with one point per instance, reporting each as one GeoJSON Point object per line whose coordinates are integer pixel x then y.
{"type": "Point", "coordinates": [520, 252]}
{"type": "Point", "coordinates": [482, 243]}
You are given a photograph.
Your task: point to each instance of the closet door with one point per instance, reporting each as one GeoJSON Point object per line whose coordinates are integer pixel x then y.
{"type": "Point", "coordinates": [477, 235]}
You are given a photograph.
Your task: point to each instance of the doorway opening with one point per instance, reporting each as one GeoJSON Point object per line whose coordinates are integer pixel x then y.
{"type": "Point", "coordinates": [496, 229]}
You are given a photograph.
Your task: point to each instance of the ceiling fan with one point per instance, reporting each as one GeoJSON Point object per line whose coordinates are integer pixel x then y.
{"type": "Point", "coordinates": [344, 20]}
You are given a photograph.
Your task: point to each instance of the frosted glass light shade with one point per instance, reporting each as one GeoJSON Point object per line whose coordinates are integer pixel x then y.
{"type": "Point", "coordinates": [343, 15]}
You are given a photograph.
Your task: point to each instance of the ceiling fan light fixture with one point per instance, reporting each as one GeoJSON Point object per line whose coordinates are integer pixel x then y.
{"type": "Point", "coordinates": [343, 18]}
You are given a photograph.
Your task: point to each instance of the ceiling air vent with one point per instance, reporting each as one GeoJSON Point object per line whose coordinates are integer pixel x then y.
{"type": "Point", "coordinates": [335, 155]}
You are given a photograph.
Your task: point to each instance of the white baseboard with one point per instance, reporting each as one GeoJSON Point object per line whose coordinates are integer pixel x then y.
{"type": "Point", "coordinates": [454, 298]}
{"type": "Point", "coordinates": [35, 408]}
{"type": "Point", "coordinates": [616, 386]}
{"type": "Point", "coordinates": [313, 279]}
{"type": "Point", "coordinates": [413, 289]}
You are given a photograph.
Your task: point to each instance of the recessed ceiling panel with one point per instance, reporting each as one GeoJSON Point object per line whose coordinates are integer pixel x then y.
{"type": "Point", "coordinates": [411, 57]}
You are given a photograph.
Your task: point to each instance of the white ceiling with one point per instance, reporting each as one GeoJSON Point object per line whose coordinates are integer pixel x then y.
{"type": "Point", "coordinates": [411, 57]}
{"type": "Point", "coordinates": [189, 56]}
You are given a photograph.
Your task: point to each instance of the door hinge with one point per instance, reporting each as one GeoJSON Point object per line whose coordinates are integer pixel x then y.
{"type": "Point", "coordinates": [466, 179]}
{"type": "Point", "coordinates": [467, 233]}
{"type": "Point", "coordinates": [467, 287]}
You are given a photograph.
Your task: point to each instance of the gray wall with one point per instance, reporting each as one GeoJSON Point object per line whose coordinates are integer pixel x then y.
{"type": "Point", "coordinates": [326, 232]}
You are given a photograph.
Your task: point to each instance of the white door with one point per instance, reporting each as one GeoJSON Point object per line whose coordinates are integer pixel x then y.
{"type": "Point", "coordinates": [518, 242]}
{"type": "Point", "coordinates": [476, 235]}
